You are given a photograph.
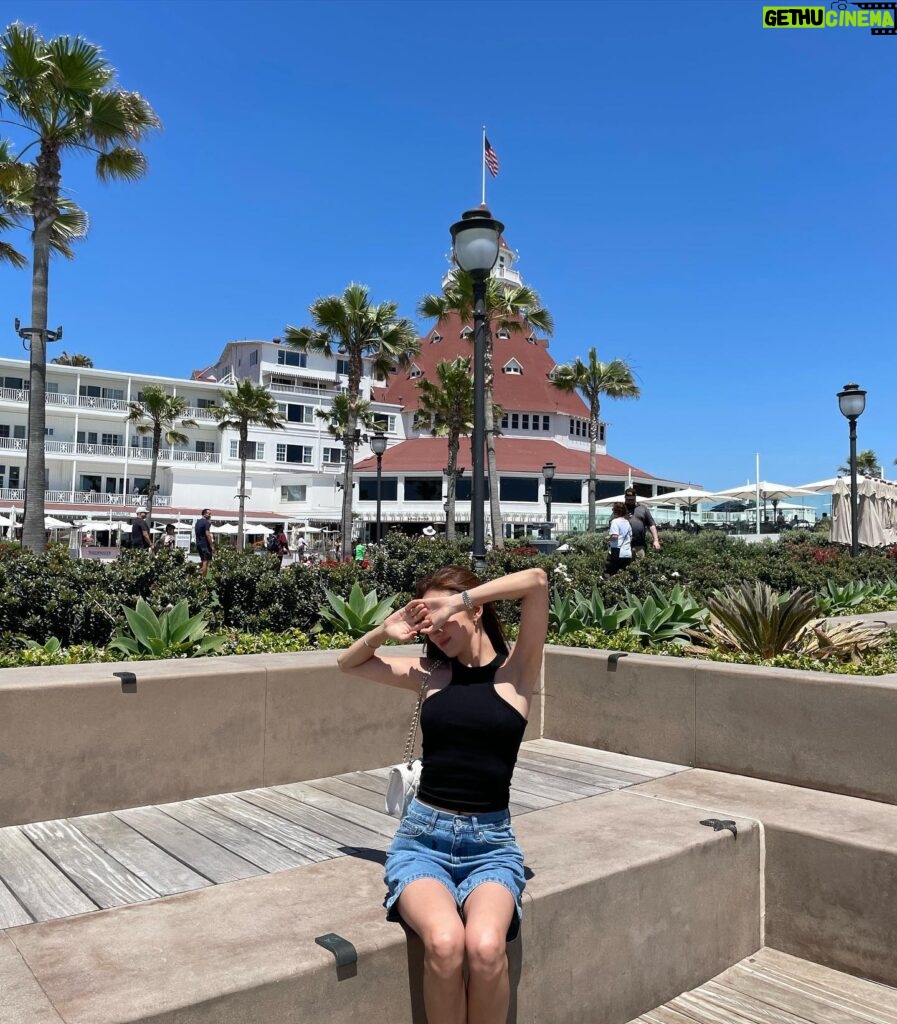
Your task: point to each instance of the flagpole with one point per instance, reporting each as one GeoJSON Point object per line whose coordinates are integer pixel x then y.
{"type": "Point", "coordinates": [483, 162]}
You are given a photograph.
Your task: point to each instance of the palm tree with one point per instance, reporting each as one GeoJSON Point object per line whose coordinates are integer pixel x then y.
{"type": "Point", "coordinates": [75, 359]}
{"type": "Point", "coordinates": [447, 404]}
{"type": "Point", "coordinates": [248, 406]}
{"type": "Point", "coordinates": [594, 379]}
{"type": "Point", "coordinates": [512, 309]}
{"type": "Point", "coordinates": [867, 464]}
{"type": "Point", "coordinates": [63, 93]}
{"type": "Point", "coordinates": [359, 331]}
{"type": "Point", "coordinates": [163, 411]}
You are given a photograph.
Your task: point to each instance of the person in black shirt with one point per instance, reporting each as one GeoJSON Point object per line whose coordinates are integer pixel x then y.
{"type": "Point", "coordinates": [205, 546]}
{"type": "Point", "coordinates": [140, 535]}
{"type": "Point", "coordinates": [641, 521]}
{"type": "Point", "coordinates": [454, 871]}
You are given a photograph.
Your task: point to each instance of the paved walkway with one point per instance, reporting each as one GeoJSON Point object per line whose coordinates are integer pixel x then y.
{"type": "Point", "coordinates": [774, 988]}
{"type": "Point", "coordinates": [57, 869]}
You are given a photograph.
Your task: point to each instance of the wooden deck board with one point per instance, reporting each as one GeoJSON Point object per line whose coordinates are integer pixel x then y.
{"type": "Point", "coordinates": [770, 987]}
{"type": "Point", "coordinates": [55, 869]}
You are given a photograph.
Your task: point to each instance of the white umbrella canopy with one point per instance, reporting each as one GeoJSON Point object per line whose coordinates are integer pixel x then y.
{"type": "Point", "coordinates": [687, 496]}
{"type": "Point", "coordinates": [822, 486]}
{"type": "Point", "coordinates": [769, 491]}
{"type": "Point", "coordinates": [840, 531]}
{"type": "Point", "coordinates": [871, 530]}
{"type": "Point", "coordinates": [613, 500]}
{"type": "Point", "coordinates": [55, 524]}
{"type": "Point", "coordinates": [230, 529]}
{"type": "Point", "coordinates": [256, 528]}
{"type": "Point", "coordinates": [180, 527]}
{"type": "Point", "coordinates": [5, 522]}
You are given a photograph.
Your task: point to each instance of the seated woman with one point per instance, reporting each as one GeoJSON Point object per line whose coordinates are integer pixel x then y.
{"type": "Point", "coordinates": [454, 871]}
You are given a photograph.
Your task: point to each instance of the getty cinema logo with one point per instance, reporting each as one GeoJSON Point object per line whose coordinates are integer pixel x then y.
{"type": "Point", "coordinates": [879, 18]}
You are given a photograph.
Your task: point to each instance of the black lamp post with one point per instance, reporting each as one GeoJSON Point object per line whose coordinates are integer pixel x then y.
{"type": "Point", "coordinates": [378, 447]}
{"type": "Point", "coordinates": [475, 241]}
{"type": "Point", "coordinates": [852, 402]}
{"type": "Point", "coordinates": [548, 474]}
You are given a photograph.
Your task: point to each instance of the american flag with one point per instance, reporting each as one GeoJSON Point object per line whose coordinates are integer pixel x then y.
{"type": "Point", "coordinates": [491, 158]}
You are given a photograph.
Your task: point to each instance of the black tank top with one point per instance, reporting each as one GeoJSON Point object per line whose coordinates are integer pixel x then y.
{"type": "Point", "coordinates": [471, 737]}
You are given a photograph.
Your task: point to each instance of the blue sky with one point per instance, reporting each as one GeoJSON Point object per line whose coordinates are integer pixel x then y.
{"type": "Point", "coordinates": [710, 200]}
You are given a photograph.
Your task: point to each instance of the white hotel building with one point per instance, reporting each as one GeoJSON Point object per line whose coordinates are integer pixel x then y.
{"type": "Point", "coordinates": [97, 465]}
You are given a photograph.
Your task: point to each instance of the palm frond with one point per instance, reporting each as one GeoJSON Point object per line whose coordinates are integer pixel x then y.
{"type": "Point", "coordinates": [121, 162]}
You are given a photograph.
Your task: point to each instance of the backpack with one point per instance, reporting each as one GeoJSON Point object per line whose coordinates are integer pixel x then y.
{"type": "Point", "coordinates": [272, 545]}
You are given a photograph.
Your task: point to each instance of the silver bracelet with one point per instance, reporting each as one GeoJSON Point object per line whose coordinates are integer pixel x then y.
{"type": "Point", "coordinates": [465, 597]}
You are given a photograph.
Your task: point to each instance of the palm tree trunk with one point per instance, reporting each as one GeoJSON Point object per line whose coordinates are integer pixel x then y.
{"type": "Point", "coordinates": [348, 476]}
{"type": "Point", "coordinates": [46, 193]}
{"type": "Point", "coordinates": [454, 442]}
{"type": "Point", "coordinates": [593, 462]}
{"type": "Point", "coordinates": [157, 441]}
{"type": "Point", "coordinates": [241, 518]}
{"type": "Point", "coordinates": [498, 537]}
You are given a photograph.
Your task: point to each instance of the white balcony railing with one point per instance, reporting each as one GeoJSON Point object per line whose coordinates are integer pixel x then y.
{"type": "Point", "coordinates": [16, 444]}
{"type": "Point", "coordinates": [299, 389]}
{"type": "Point", "coordinates": [113, 451]}
{"type": "Point", "coordinates": [87, 498]}
{"type": "Point", "coordinates": [65, 398]}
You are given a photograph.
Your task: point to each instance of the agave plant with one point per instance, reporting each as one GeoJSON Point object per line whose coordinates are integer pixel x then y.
{"type": "Point", "coordinates": [597, 616]}
{"type": "Point", "coordinates": [755, 619]}
{"type": "Point", "coordinates": [173, 634]}
{"type": "Point", "coordinates": [840, 599]}
{"type": "Point", "coordinates": [51, 646]}
{"type": "Point", "coordinates": [361, 613]}
{"type": "Point", "coordinates": [657, 619]}
{"type": "Point", "coordinates": [565, 614]}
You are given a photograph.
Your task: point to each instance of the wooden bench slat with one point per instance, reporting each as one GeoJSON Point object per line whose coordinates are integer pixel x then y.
{"type": "Point", "coordinates": [608, 758]}
{"type": "Point", "coordinates": [159, 870]}
{"type": "Point", "coordinates": [201, 854]}
{"type": "Point", "coordinates": [348, 791]}
{"type": "Point", "coordinates": [12, 912]}
{"type": "Point", "coordinates": [376, 821]}
{"type": "Point", "coordinates": [305, 843]}
{"type": "Point", "coordinates": [345, 834]}
{"type": "Point", "coordinates": [580, 771]}
{"type": "Point", "coordinates": [41, 887]}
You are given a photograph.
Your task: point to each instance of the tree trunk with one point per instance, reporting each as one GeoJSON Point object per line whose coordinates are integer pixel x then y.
{"type": "Point", "coordinates": [241, 518]}
{"type": "Point", "coordinates": [498, 536]}
{"type": "Point", "coordinates": [454, 442]}
{"type": "Point", "coordinates": [157, 442]}
{"type": "Point", "coordinates": [355, 368]}
{"type": "Point", "coordinates": [46, 192]}
{"type": "Point", "coordinates": [593, 461]}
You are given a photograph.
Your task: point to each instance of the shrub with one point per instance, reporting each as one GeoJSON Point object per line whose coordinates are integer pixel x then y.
{"type": "Point", "coordinates": [173, 634]}
{"type": "Point", "coordinates": [362, 612]}
{"type": "Point", "coordinates": [756, 620]}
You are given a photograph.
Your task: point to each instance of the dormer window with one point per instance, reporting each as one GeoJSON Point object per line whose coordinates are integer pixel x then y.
{"type": "Point", "coordinates": [435, 337]}
{"type": "Point", "coordinates": [504, 333]}
{"type": "Point", "coordinates": [512, 366]}
{"type": "Point", "coordinates": [415, 371]}
{"type": "Point", "coordinates": [531, 338]}
{"type": "Point", "coordinates": [466, 333]}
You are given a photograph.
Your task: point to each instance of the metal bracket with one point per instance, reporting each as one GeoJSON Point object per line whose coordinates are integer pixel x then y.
{"type": "Point", "coordinates": [341, 948]}
{"type": "Point", "coordinates": [718, 824]}
{"type": "Point", "coordinates": [612, 660]}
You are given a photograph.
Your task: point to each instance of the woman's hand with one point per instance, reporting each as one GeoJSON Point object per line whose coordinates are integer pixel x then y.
{"type": "Point", "coordinates": [405, 623]}
{"type": "Point", "coordinates": [435, 611]}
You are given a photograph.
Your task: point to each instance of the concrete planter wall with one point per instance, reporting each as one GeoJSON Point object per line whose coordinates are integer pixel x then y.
{"type": "Point", "coordinates": [812, 729]}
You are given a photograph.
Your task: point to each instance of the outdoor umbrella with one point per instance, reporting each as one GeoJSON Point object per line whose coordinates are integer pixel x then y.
{"type": "Point", "coordinates": [871, 531]}
{"type": "Point", "coordinates": [612, 501]}
{"type": "Point", "coordinates": [768, 491]}
{"type": "Point", "coordinates": [840, 532]}
{"type": "Point", "coordinates": [822, 486]}
{"type": "Point", "coordinates": [182, 526]}
{"type": "Point", "coordinates": [687, 496]}
{"type": "Point", "coordinates": [230, 529]}
{"type": "Point", "coordinates": [256, 528]}
{"type": "Point", "coordinates": [55, 524]}
{"type": "Point", "coordinates": [5, 522]}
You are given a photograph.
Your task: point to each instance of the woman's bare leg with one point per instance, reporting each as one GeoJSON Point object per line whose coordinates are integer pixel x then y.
{"type": "Point", "coordinates": [430, 910]}
{"type": "Point", "coordinates": [488, 912]}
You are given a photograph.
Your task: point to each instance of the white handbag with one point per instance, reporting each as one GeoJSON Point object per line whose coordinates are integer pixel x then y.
{"type": "Point", "coordinates": [404, 778]}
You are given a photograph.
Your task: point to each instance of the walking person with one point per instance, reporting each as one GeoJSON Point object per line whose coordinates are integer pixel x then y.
{"type": "Point", "coordinates": [620, 538]}
{"type": "Point", "coordinates": [642, 522]}
{"type": "Point", "coordinates": [454, 871]}
{"type": "Point", "coordinates": [278, 545]}
{"type": "Point", "coordinates": [205, 546]}
{"type": "Point", "coordinates": [166, 541]}
{"type": "Point", "coordinates": [140, 534]}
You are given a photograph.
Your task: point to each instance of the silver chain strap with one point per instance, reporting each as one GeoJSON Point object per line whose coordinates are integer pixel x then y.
{"type": "Point", "coordinates": [415, 718]}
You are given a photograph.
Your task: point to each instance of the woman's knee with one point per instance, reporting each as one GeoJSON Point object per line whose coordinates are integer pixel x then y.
{"type": "Point", "coordinates": [486, 950]}
{"type": "Point", "coordinates": [444, 946]}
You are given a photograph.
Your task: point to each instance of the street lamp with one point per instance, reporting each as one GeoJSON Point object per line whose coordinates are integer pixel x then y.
{"type": "Point", "coordinates": [378, 447]}
{"type": "Point", "coordinates": [852, 402]}
{"type": "Point", "coordinates": [548, 474]}
{"type": "Point", "coordinates": [475, 241]}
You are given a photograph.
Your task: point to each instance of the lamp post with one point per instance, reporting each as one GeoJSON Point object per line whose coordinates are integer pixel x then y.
{"type": "Point", "coordinates": [475, 241]}
{"type": "Point", "coordinates": [852, 402]}
{"type": "Point", "coordinates": [378, 447]}
{"type": "Point", "coordinates": [548, 474]}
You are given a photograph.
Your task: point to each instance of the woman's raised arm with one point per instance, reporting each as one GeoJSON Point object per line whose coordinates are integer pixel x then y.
{"type": "Point", "coordinates": [361, 659]}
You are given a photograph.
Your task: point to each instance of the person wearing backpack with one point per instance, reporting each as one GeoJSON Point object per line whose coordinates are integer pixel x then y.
{"type": "Point", "coordinates": [277, 545]}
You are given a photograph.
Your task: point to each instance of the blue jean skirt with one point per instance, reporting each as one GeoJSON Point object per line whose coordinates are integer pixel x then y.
{"type": "Point", "coordinates": [459, 850]}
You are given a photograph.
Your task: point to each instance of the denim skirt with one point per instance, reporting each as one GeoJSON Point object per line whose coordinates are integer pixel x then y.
{"type": "Point", "coordinates": [459, 850]}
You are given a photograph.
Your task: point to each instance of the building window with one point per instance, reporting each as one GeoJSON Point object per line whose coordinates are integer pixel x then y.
{"type": "Point", "coordinates": [466, 332]}
{"type": "Point", "coordinates": [300, 413]}
{"type": "Point", "coordinates": [299, 454]}
{"type": "Point", "coordinates": [600, 431]}
{"type": "Point", "coordinates": [415, 372]}
{"type": "Point", "coordinates": [93, 391]}
{"type": "Point", "coordinates": [255, 450]}
{"type": "Point", "coordinates": [464, 486]}
{"type": "Point", "coordinates": [287, 358]}
{"type": "Point", "coordinates": [435, 337]}
{"type": "Point", "coordinates": [5, 431]}
{"type": "Point", "coordinates": [110, 439]}
{"type": "Point", "coordinates": [292, 492]}
{"type": "Point", "coordinates": [254, 357]}
{"type": "Point", "coordinates": [512, 367]}
{"type": "Point", "coordinates": [367, 488]}
{"type": "Point", "coordinates": [567, 491]}
{"type": "Point", "coordinates": [334, 456]}
{"type": "Point", "coordinates": [207, 447]}
{"type": "Point", "coordinates": [90, 437]}
{"type": "Point", "coordinates": [504, 334]}
{"type": "Point", "coordinates": [515, 420]}
{"type": "Point", "coordinates": [525, 421]}
{"type": "Point", "coordinates": [518, 488]}
{"type": "Point", "coordinates": [342, 366]}
{"type": "Point", "coordinates": [546, 423]}
{"type": "Point", "coordinates": [504, 420]}
{"type": "Point", "coordinates": [204, 403]}
{"type": "Point", "coordinates": [383, 422]}
{"type": "Point", "coordinates": [424, 488]}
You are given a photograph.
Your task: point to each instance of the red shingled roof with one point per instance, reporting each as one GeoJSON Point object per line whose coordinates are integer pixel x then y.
{"type": "Point", "coordinates": [512, 454]}
{"type": "Point", "coordinates": [530, 391]}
